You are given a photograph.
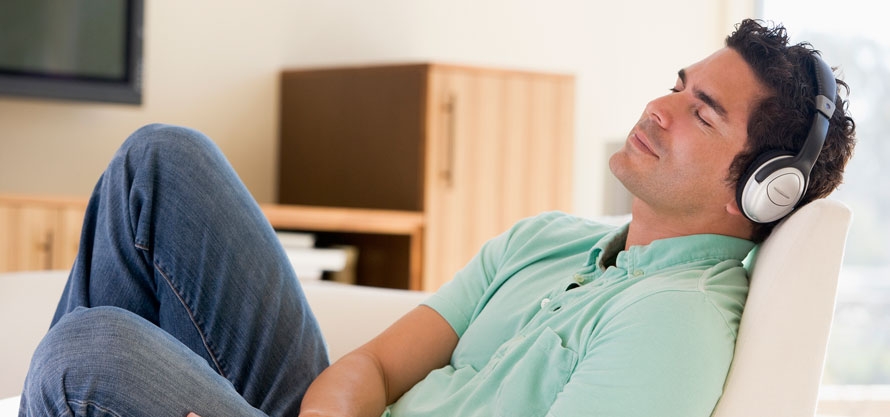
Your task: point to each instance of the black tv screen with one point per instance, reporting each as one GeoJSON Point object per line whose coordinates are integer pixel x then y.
{"type": "Point", "coordinates": [72, 49]}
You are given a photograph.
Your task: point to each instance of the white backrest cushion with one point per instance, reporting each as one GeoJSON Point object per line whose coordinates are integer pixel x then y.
{"type": "Point", "coordinates": [780, 351]}
{"type": "Point", "coordinates": [351, 315]}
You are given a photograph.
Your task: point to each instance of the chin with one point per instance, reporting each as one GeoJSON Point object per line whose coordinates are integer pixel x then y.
{"type": "Point", "coordinates": [621, 168]}
{"type": "Point", "coordinates": [616, 161]}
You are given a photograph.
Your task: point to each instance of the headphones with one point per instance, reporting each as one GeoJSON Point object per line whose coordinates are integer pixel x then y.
{"type": "Point", "coordinates": [776, 181]}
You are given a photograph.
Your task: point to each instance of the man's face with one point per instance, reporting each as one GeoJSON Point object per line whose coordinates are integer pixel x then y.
{"type": "Point", "coordinates": [677, 157]}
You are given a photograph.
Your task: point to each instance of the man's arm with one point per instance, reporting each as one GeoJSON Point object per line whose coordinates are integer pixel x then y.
{"type": "Point", "coordinates": [365, 381]}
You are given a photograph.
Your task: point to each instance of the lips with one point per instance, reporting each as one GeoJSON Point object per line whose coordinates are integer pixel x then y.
{"type": "Point", "coordinates": [641, 142]}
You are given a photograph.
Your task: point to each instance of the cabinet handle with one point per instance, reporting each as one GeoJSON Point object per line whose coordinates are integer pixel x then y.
{"type": "Point", "coordinates": [447, 172]}
{"type": "Point", "coordinates": [47, 248]}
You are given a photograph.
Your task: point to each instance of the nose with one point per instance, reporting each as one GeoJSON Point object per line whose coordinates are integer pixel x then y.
{"type": "Point", "coordinates": [658, 110]}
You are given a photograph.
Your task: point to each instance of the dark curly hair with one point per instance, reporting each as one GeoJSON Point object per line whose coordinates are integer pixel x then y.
{"type": "Point", "coordinates": [781, 121]}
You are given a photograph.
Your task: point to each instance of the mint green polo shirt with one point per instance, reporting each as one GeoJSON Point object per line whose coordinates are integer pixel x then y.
{"type": "Point", "coordinates": [547, 330]}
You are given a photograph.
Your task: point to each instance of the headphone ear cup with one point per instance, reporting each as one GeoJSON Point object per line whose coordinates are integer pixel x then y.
{"type": "Point", "coordinates": [776, 181]}
{"type": "Point", "coordinates": [777, 195]}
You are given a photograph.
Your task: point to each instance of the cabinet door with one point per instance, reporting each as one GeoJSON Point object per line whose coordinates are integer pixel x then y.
{"type": "Point", "coordinates": [499, 149]}
{"type": "Point", "coordinates": [37, 234]}
{"type": "Point", "coordinates": [459, 193]}
{"type": "Point", "coordinates": [35, 230]}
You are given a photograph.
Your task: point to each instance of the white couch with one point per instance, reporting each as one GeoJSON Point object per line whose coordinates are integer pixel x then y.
{"type": "Point", "coordinates": [779, 354]}
{"type": "Point", "coordinates": [348, 316]}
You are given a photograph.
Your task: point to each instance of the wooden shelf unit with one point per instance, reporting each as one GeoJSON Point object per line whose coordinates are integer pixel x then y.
{"type": "Point", "coordinates": [472, 149]}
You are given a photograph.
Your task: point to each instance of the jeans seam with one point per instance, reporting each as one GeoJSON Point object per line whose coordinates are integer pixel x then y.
{"type": "Point", "coordinates": [194, 321]}
{"type": "Point", "coordinates": [65, 398]}
{"type": "Point", "coordinates": [95, 405]}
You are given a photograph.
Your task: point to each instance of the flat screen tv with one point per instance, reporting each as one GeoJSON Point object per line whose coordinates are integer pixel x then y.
{"type": "Point", "coordinates": [72, 49]}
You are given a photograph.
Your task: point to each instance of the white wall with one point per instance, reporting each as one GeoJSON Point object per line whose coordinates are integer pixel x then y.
{"type": "Point", "coordinates": [213, 65]}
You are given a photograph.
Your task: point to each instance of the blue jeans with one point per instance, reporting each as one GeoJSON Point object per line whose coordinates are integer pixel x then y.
{"type": "Point", "coordinates": [180, 299]}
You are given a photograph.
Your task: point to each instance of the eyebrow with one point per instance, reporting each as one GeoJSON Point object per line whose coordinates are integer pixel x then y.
{"type": "Point", "coordinates": [707, 99]}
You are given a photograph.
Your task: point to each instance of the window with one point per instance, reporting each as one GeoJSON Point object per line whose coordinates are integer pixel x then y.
{"type": "Point", "coordinates": [853, 36]}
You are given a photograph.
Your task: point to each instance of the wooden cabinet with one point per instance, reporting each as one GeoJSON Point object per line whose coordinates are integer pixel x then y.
{"type": "Point", "coordinates": [39, 233]}
{"type": "Point", "coordinates": [471, 149]}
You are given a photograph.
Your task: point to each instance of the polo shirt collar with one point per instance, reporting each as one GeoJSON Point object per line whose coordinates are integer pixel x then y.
{"type": "Point", "coordinates": [665, 253]}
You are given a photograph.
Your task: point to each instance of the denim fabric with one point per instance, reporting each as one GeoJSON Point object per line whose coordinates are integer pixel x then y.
{"type": "Point", "coordinates": [173, 236]}
{"type": "Point", "coordinates": [106, 361]}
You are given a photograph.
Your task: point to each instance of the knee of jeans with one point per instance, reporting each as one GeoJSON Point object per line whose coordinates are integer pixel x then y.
{"type": "Point", "coordinates": [176, 139]}
{"type": "Point", "coordinates": [80, 342]}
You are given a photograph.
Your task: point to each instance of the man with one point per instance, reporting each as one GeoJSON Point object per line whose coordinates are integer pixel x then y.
{"type": "Point", "coordinates": [558, 316]}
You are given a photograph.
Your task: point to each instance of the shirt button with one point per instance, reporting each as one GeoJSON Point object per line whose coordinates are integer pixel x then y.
{"type": "Point", "coordinates": [544, 302]}
{"type": "Point", "coordinates": [638, 273]}
{"type": "Point", "coordinates": [579, 278]}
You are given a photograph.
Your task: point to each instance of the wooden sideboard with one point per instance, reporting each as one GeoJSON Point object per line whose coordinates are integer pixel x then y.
{"type": "Point", "coordinates": [43, 232]}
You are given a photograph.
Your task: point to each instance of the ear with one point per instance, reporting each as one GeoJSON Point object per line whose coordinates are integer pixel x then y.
{"type": "Point", "coordinates": [733, 208]}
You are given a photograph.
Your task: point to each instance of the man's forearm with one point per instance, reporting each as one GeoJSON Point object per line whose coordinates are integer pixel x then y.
{"type": "Point", "coordinates": [354, 386]}
{"type": "Point", "coordinates": [365, 381]}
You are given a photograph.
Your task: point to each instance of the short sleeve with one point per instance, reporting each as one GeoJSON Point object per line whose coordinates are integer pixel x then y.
{"type": "Point", "coordinates": [461, 299]}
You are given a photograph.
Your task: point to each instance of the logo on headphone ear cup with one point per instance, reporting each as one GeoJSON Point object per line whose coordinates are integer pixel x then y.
{"type": "Point", "coordinates": [776, 195]}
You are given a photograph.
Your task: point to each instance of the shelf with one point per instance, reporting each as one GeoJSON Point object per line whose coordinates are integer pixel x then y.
{"type": "Point", "coordinates": [339, 219]}
{"type": "Point", "coordinates": [353, 221]}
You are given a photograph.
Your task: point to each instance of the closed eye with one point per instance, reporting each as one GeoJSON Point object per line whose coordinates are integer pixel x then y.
{"type": "Point", "coordinates": [704, 97]}
{"type": "Point", "coordinates": [695, 112]}
{"type": "Point", "coordinates": [701, 119]}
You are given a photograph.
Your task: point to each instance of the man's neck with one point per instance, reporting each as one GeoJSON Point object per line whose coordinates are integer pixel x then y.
{"type": "Point", "coordinates": [648, 225]}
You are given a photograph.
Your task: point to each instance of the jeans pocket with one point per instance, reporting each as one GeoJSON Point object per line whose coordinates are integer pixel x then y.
{"type": "Point", "coordinates": [537, 374]}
